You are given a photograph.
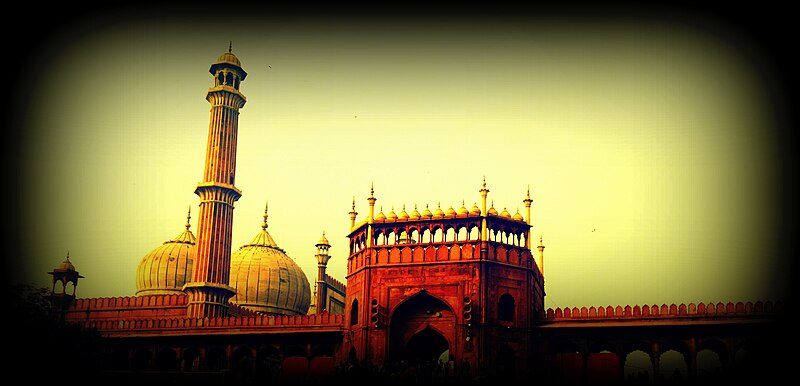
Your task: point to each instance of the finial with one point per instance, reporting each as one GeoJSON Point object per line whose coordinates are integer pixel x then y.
{"type": "Point", "coordinates": [371, 189]}
{"type": "Point", "coordinates": [230, 46]}
{"type": "Point", "coordinates": [528, 194]}
{"type": "Point", "coordinates": [266, 209]}
{"type": "Point", "coordinates": [67, 255]}
{"type": "Point", "coordinates": [484, 181]}
{"type": "Point", "coordinates": [354, 203]}
{"type": "Point", "coordinates": [540, 239]}
{"type": "Point", "coordinates": [188, 218]}
{"type": "Point", "coordinates": [323, 233]}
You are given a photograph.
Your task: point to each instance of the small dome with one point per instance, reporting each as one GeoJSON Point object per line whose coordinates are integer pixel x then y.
{"type": "Point", "coordinates": [517, 216]}
{"type": "Point", "coordinates": [427, 212]}
{"type": "Point", "coordinates": [268, 281]}
{"type": "Point", "coordinates": [168, 267]}
{"type": "Point", "coordinates": [415, 214]}
{"type": "Point", "coordinates": [438, 212]}
{"type": "Point", "coordinates": [403, 214]}
{"type": "Point", "coordinates": [475, 211]}
{"type": "Point", "coordinates": [462, 210]}
{"type": "Point", "coordinates": [323, 240]}
{"type": "Point", "coordinates": [450, 211]}
{"type": "Point", "coordinates": [380, 216]}
{"type": "Point", "coordinates": [505, 213]}
{"type": "Point", "coordinates": [229, 58]}
{"type": "Point", "coordinates": [65, 266]}
{"type": "Point", "coordinates": [391, 215]}
{"type": "Point", "coordinates": [492, 211]}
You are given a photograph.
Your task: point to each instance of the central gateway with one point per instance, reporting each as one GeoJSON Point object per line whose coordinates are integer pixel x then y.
{"type": "Point", "coordinates": [457, 288]}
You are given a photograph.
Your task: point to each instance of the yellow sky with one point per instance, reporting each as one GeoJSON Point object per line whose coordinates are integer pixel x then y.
{"type": "Point", "coordinates": [647, 146]}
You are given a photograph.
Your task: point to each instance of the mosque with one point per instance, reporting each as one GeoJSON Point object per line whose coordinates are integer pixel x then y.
{"type": "Point", "coordinates": [433, 296]}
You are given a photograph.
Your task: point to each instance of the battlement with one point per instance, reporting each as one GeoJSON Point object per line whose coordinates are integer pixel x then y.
{"type": "Point", "coordinates": [230, 325]}
{"type": "Point", "coordinates": [336, 284]}
{"type": "Point", "coordinates": [664, 311]}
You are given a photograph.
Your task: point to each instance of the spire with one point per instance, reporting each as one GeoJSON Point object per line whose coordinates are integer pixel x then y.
{"type": "Point", "coordinates": [266, 209]}
{"type": "Point", "coordinates": [188, 218]}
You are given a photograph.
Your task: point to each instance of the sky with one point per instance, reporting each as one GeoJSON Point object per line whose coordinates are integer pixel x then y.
{"type": "Point", "coordinates": [648, 144]}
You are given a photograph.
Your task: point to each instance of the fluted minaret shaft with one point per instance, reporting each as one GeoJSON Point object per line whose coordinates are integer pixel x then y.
{"type": "Point", "coordinates": [209, 290]}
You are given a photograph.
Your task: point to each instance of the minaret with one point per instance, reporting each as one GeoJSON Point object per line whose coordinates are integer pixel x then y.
{"type": "Point", "coordinates": [209, 291]}
{"type": "Point", "coordinates": [484, 193]}
{"type": "Point", "coordinates": [528, 202]}
{"type": "Point", "coordinates": [371, 199]}
{"type": "Point", "coordinates": [353, 214]}
{"type": "Point", "coordinates": [322, 261]}
{"type": "Point", "coordinates": [541, 255]}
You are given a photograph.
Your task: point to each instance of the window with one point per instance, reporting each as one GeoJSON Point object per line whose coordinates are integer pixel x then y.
{"type": "Point", "coordinates": [505, 308]}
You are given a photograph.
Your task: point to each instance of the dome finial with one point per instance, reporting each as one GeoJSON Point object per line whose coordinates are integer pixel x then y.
{"type": "Point", "coordinates": [188, 218]}
{"type": "Point", "coordinates": [266, 209]}
{"type": "Point", "coordinates": [67, 255]}
{"type": "Point", "coordinates": [230, 46]}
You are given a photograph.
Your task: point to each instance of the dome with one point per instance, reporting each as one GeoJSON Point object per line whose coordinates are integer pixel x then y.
{"type": "Point", "coordinates": [322, 240]}
{"type": "Point", "coordinates": [517, 216]}
{"type": "Point", "coordinates": [65, 266]}
{"type": "Point", "coordinates": [492, 211]}
{"type": "Point", "coordinates": [427, 212]}
{"type": "Point", "coordinates": [403, 214]}
{"type": "Point", "coordinates": [229, 58]}
{"type": "Point", "coordinates": [267, 280]}
{"type": "Point", "coordinates": [415, 214]}
{"type": "Point", "coordinates": [450, 211]}
{"type": "Point", "coordinates": [380, 216]}
{"type": "Point", "coordinates": [168, 267]}
{"type": "Point", "coordinates": [391, 215]}
{"type": "Point", "coordinates": [462, 210]}
{"type": "Point", "coordinates": [438, 212]}
{"type": "Point", "coordinates": [505, 213]}
{"type": "Point", "coordinates": [475, 211]}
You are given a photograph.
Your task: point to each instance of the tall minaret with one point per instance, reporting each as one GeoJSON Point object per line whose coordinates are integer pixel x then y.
{"type": "Point", "coordinates": [323, 246]}
{"type": "Point", "coordinates": [209, 291]}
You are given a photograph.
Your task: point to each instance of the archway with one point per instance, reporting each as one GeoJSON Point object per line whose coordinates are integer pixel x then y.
{"type": "Point", "coordinates": [421, 328]}
{"type": "Point", "coordinates": [426, 346]}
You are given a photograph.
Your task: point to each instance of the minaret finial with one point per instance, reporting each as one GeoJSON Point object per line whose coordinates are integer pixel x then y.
{"type": "Point", "coordinates": [188, 218]}
{"type": "Point", "coordinates": [540, 239]}
{"type": "Point", "coordinates": [266, 209]}
{"type": "Point", "coordinates": [371, 189]}
{"type": "Point", "coordinates": [528, 194]}
{"type": "Point", "coordinates": [354, 203]}
{"type": "Point", "coordinates": [230, 46]}
{"type": "Point", "coordinates": [484, 181]}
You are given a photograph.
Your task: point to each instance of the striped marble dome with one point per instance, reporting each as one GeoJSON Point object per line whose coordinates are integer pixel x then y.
{"type": "Point", "coordinates": [266, 280]}
{"type": "Point", "coordinates": [168, 267]}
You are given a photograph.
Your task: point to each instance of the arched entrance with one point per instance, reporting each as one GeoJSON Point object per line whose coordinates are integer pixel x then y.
{"type": "Point", "coordinates": [426, 346]}
{"type": "Point", "coordinates": [421, 329]}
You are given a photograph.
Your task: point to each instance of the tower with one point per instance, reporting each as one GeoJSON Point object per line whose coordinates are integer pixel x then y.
{"type": "Point", "coordinates": [209, 291]}
{"type": "Point", "coordinates": [455, 285]}
{"type": "Point", "coordinates": [323, 246]}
